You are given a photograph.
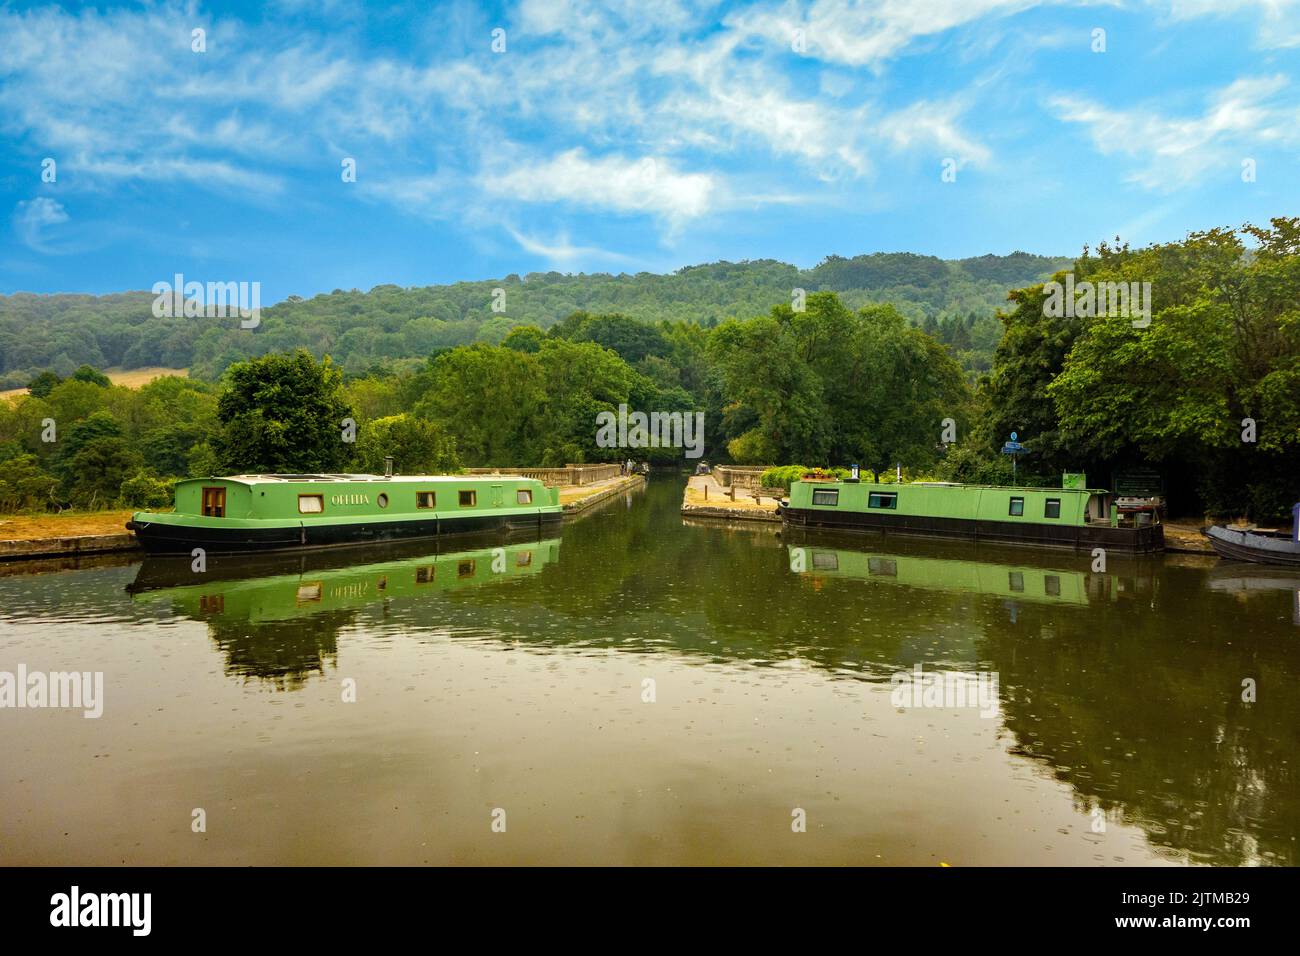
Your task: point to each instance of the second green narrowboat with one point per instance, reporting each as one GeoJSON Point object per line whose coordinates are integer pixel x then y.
{"type": "Point", "coordinates": [254, 513]}
{"type": "Point", "coordinates": [1073, 516]}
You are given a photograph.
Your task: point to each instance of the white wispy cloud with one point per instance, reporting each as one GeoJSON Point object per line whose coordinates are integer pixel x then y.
{"type": "Point", "coordinates": [1279, 20]}
{"type": "Point", "coordinates": [1171, 151]}
{"type": "Point", "coordinates": [646, 185]}
{"type": "Point", "coordinates": [32, 219]}
{"type": "Point", "coordinates": [864, 34]}
{"type": "Point", "coordinates": [560, 252]}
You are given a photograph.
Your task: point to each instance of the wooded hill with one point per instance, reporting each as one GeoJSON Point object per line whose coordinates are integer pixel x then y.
{"type": "Point", "coordinates": [955, 300]}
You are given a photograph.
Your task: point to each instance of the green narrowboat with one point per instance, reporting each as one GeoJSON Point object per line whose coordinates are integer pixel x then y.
{"type": "Point", "coordinates": [254, 513]}
{"type": "Point", "coordinates": [1074, 516]}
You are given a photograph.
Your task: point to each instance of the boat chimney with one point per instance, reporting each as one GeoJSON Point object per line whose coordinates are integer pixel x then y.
{"type": "Point", "coordinates": [388, 466]}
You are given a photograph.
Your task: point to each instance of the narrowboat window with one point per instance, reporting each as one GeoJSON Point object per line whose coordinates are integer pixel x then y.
{"type": "Point", "coordinates": [465, 569]}
{"type": "Point", "coordinates": [212, 603]}
{"type": "Point", "coordinates": [826, 496]}
{"type": "Point", "coordinates": [468, 499]}
{"type": "Point", "coordinates": [426, 499]}
{"type": "Point", "coordinates": [311, 504]}
{"type": "Point", "coordinates": [886, 567]}
{"type": "Point", "coordinates": [382, 583]}
{"type": "Point", "coordinates": [424, 575]}
{"type": "Point", "coordinates": [382, 500]}
{"type": "Point", "coordinates": [1017, 507]}
{"type": "Point", "coordinates": [308, 593]}
{"type": "Point", "coordinates": [1052, 509]}
{"type": "Point", "coordinates": [826, 561]}
{"type": "Point", "coordinates": [523, 559]}
{"type": "Point", "coordinates": [1052, 585]}
{"type": "Point", "coordinates": [1016, 580]}
{"type": "Point", "coordinates": [882, 499]}
{"type": "Point", "coordinates": [524, 496]}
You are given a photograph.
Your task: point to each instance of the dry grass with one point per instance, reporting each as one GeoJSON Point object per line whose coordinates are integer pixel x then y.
{"type": "Point", "coordinates": [571, 493]}
{"type": "Point", "coordinates": [131, 378]}
{"type": "Point", "coordinates": [65, 525]}
{"type": "Point", "coordinates": [1186, 537]}
{"type": "Point", "coordinates": [718, 498]}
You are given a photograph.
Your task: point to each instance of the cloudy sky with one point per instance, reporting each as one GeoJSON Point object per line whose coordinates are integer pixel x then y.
{"type": "Point", "coordinates": [629, 135]}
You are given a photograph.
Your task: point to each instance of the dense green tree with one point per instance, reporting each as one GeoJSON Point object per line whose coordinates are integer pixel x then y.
{"type": "Point", "coordinates": [145, 491]}
{"type": "Point", "coordinates": [43, 384]}
{"type": "Point", "coordinates": [95, 473]}
{"type": "Point", "coordinates": [524, 338]}
{"type": "Point", "coordinates": [825, 385]}
{"type": "Point", "coordinates": [24, 484]}
{"type": "Point", "coordinates": [490, 400]}
{"type": "Point", "coordinates": [95, 427]}
{"type": "Point", "coordinates": [282, 413]}
{"type": "Point", "coordinates": [417, 446]}
{"type": "Point", "coordinates": [88, 373]}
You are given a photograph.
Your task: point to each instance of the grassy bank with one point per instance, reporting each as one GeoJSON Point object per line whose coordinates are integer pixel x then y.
{"type": "Point", "coordinates": [27, 527]}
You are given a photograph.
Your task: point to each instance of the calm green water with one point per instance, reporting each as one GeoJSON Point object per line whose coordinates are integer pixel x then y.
{"type": "Point", "coordinates": [639, 689]}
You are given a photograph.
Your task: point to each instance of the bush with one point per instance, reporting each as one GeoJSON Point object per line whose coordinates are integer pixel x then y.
{"type": "Point", "coordinates": [146, 491]}
{"type": "Point", "coordinates": [418, 446]}
{"type": "Point", "coordinates": [783, 475]}
{"type": "Point", "coordinates": [25, 485]}
{"type": "Point", "coordinates": [973, 466]}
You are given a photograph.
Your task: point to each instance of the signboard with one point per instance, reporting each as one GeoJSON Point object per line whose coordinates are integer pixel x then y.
{"type": "Point", "coordinates": [1014, 449]}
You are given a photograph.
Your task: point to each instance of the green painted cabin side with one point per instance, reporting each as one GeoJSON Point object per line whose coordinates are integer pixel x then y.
{"type": "Point", "coordinates": [1058, 506]}
{"type": "Point", "coordinates": [337, 499]}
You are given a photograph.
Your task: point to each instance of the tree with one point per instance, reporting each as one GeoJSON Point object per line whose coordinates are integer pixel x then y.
{"type": "Point", "coordinates": [25, 484]}
{"type": "Point", "coordinates": [417, 446]}
{"type": "Point", "coordinates": [97, 470]}
{"type": "Point", "coordinates": [145, 491]}
{"type": "Point", "coordinates": [43, 384]}
{"type": "Point", "coordinates": [490, 400]}
{"type": "Point", "coordinates": [100, 425]}
{"type": "Point", "coordinates": [87, 373]}
{"type": "Point", "coordinates": [524, 338]}
{"type": "Point", "coordinates": [829, 386]}
{"type": "Point", "coordinates": [282, 413]}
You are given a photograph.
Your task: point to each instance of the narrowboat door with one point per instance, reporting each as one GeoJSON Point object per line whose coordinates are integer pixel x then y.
{"type": "Point", "coordinates": [214, 502]}
{"type": "Point", "coordinates": [496, 496]}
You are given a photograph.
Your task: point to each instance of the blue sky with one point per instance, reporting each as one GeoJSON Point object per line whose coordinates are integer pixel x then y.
{"type": "Point", "coordinates": [625, 136]}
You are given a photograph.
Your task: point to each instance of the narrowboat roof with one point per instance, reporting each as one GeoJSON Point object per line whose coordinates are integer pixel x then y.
{"type": "Point", "coordinates": [290, 479]}
{"type": "Point", "coordinates": [955, 484]}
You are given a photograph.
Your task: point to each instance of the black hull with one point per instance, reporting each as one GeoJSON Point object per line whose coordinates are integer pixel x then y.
{"type": "Point", "coordinates": [1258, 555]}
{"type": "Point", "coordinates": [176, 570]}
{"type": "Point", "coordinates": [158, 538]}
{"type": "Point", "coordinates": [1145, 540]}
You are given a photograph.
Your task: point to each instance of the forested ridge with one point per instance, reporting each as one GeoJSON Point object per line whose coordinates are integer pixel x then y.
{"type": "Point", "coordinates": [954, 299]}
{"type": "Point", "coordinates": [1205, 390]}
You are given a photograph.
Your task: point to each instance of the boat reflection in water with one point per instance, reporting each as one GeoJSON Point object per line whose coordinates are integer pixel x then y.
{"type": "Point", "coordinates": [277, 617]}
{"type": "Point", "coordinates": [1016, 575]}
{"type": "Point", "coordinates": [1246, 581]}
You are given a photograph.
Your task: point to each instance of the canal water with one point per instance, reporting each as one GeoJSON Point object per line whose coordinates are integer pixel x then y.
{"type": "Point", "coordinates": [642, 689]}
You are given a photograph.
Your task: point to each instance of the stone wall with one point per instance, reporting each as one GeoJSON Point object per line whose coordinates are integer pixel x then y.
{"type": "Point", "coordinates": [568, 476]}
{"type": "Point", "coordinates": [739, 476]}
